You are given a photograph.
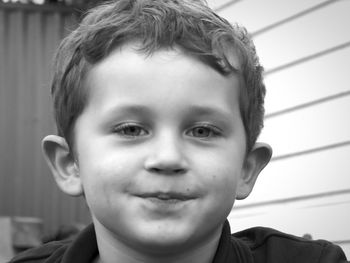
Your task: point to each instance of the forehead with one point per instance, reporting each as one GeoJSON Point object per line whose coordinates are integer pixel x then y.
{"type": "Point", "coordinates": [165, 79]}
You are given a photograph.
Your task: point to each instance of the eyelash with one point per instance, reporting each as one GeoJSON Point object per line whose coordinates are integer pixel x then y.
{"type": "Point", "coordinates": [121, 129]}
{"type": "Point", "coordinates": [213, 131]}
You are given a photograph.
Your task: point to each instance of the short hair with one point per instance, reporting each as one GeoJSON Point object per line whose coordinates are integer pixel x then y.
{"type": "Point", "coordinates": [188, 24]}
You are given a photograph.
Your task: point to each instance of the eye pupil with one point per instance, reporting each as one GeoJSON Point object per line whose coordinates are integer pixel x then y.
{"type": "Point", "coordinates": [201, 132]}
{"type": "Point", "coordinates": [132, 130]}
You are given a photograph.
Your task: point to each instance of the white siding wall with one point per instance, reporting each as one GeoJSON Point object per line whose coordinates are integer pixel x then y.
{"type": "Point", "coordinates": [307, 192]}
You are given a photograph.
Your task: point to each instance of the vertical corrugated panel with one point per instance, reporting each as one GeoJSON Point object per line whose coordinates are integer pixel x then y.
{"type": "Point", "coordinates": [51, 38]}
{"type": "Point", "coordinates": [37, 75]}
{"type": "Point", "coordinates": [9, 115]}
{"type": "Point", "coordinates": [44, 50]}
{"type": "Point", "coordinates": [3, 124]}
{"type": "Point", "coordinates": [28, 40]}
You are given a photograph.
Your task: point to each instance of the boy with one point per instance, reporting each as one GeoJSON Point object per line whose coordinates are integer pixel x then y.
{"type": "Point", "coordinates": [158, 106]}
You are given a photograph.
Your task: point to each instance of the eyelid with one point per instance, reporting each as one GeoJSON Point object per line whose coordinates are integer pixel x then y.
{"type": "Point", "coordinates": [122, 126]}
{"type": "Point", "coordinates": [214, 129]}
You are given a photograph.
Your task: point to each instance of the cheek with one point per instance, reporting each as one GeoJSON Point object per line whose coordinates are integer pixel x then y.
{"type": "Point", "coordinates": [103, 181]}
{"type": "Point", "coordinates": [222, 174]}
{"type": "Point", "coordinates": [221, 188]}
{"type": "Point", "coordinates": [224, 183]}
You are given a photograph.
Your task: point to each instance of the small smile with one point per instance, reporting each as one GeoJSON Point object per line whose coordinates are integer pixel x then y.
{"type": "Point", "coordinates": [166, 203]}
{"type": "Point", "coordinates": [167, 196]}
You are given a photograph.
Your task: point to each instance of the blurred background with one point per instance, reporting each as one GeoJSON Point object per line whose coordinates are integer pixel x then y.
{"type": "Point", "coordinates": [304, 46]}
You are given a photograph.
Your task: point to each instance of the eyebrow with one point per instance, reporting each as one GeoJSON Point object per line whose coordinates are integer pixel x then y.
{"type": "Point", "coordinates": [192, 110]}
{"type": "Point", "coordinates": [130, 109]}
{"type": "Point", "coordinates": [207, 111]}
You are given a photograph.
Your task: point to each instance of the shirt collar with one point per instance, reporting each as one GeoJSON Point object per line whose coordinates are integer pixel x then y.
{"type": "Point", "coordinates": [83, 249]}
{"type": "Point", "coordinates": [230, 249]}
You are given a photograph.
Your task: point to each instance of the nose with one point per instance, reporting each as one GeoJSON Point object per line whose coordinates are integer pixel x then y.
{"type": "Point", "coordinates": [166, 156]}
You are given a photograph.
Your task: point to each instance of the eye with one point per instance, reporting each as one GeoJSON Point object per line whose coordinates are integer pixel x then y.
{"type": "Point", "coordinates": [130, 130]}
{"type": "Point", "coordinates": [204, 131]}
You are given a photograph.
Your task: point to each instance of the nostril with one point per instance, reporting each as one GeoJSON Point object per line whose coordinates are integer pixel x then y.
{"type": "Point", "coordinates": [179, 171]}
{"type": "Point", "coordinates": [155, 170]}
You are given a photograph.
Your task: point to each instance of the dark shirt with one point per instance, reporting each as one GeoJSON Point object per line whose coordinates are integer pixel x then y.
{"type": "Point", "coordinates": [254, 245]}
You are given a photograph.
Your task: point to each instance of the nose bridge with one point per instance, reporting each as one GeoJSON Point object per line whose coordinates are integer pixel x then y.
{"type": "Point", "coordinates": [167, 153]}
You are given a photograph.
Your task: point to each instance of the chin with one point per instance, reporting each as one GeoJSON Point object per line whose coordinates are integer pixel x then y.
{"type": "Point", "coordinates": [165, 235]}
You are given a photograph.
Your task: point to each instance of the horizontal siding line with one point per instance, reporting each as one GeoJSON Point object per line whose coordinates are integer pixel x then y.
{"type": "Point", "coordinates": [307, 58]}
{"type": "Point", "coordinates": [308, 104]}
{"type": "Point", "coordinates": [293, 199]}
{"type": "Point", "coordinates": [225, 5]}
{"type": "Point", "coordinates": [310, 151]}
{"type": "Point", "coordinates": [39, 8]}
{"type": "Point", "coordinates": [293, 17]}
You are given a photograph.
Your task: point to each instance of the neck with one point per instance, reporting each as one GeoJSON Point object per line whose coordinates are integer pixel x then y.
{"type": "Point", "coordinates": [112, 250]}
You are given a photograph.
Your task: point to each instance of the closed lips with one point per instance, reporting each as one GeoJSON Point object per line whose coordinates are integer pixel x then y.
{"type": "Point", "coordinates": [167, 196]}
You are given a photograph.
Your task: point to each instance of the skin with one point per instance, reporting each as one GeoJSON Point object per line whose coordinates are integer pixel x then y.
{"type": "Point", "coordinates": [160, 156]}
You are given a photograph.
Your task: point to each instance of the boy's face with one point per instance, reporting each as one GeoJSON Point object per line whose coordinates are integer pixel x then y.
{"type": "Point", "coordinates": [160, 148]}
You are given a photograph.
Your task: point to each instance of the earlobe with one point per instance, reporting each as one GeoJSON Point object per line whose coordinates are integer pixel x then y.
{"type": "Point", "coordinates": [62, 165]}
{"type": "Point", "coordinates": [255, 162]}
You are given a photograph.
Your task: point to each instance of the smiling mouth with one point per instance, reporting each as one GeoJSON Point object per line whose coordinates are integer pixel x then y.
{"type": "Point", "coordinates": [170, 197]}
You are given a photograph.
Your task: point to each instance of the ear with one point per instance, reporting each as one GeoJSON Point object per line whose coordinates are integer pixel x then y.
{"type": "Point", "coordinates": [62, 165]}
{"type": "Point", "coordinates": [255, 162]}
